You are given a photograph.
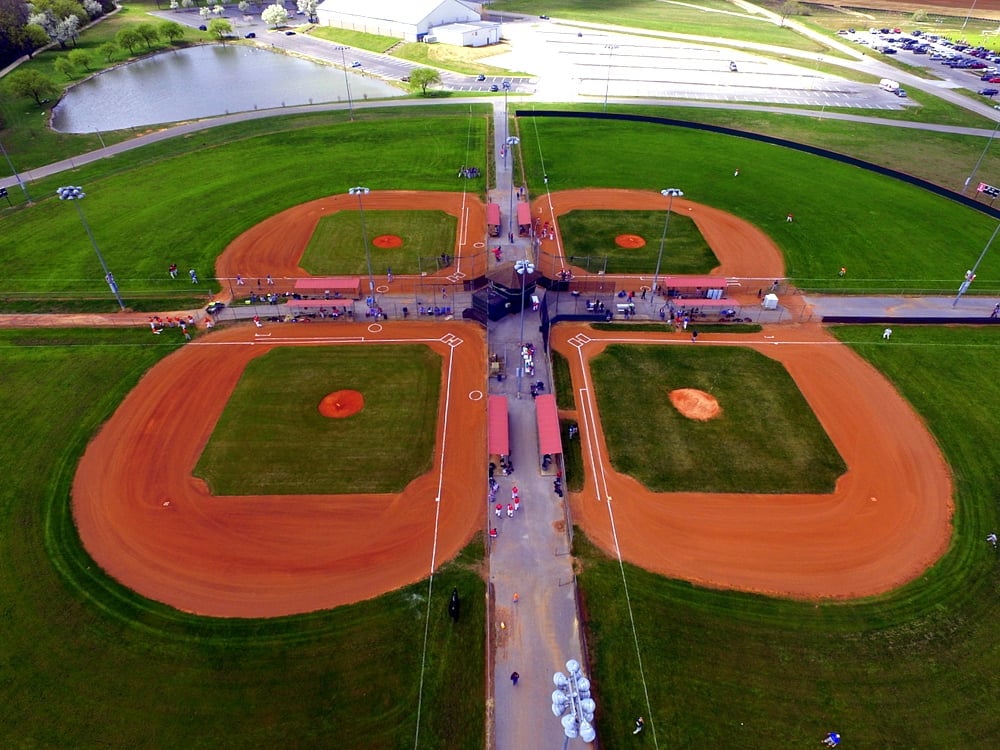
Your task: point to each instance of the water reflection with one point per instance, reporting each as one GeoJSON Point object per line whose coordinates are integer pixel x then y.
{"type": "Point", "coordinates": [204, 81]}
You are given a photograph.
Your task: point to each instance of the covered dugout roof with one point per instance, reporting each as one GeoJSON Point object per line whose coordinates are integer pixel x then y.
{"type": "Point", "coordinates": [493, 214]}
{"type": "Point", "coordinates": [523, 214]}
{"type": "Point", "coordinates": [499, 426]}
{"type": "Point", "coordinates": [694, 282]}
{"type": "Point", "coordinates": [547, 415]}
{"type": "Point", "coordinates": [344, 285]}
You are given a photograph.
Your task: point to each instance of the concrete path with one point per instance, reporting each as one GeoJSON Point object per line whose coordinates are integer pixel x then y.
{"type": "Point", "coordinates": [536, 634]}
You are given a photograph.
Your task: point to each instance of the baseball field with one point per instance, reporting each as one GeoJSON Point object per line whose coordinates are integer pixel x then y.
{"type": "Point", "coordinates": [148, 607]}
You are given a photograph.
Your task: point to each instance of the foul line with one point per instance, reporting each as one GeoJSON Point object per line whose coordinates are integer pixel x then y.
{"type": "Point", "coordinates": [437, 520]}
{"type": "Point", "coordinates": [599, 470]}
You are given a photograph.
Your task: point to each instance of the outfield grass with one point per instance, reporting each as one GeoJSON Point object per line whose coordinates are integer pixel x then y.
{"type": "Point", "coordinates": [271, 438]}
{"type": "Point", "coordinates": [86, 663]}
{"type": "Point", "coordinates": [572, 456]}
{"type": "Point", "coordinates": [890, 235]}
{"type": "Point", "coordinates": [766, 438]}
{"type": "Point", "coordinates": [336, 246]}
{"type": "Point", "coordinates": [592, 233]}
{"type": "Point", "coordinates": [914, 668]}
{"type": "Point", "coordinates": [141, 228]}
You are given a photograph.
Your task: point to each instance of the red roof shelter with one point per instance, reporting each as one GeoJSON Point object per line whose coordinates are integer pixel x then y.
{"type": "Point", "coordinates": [523, 219]}
{"type": "Point", "coordinates": [493, 219]}
{"type": "Point", "coordinates": [547, 416]}
{"type": "Point", "coordinates": [499, 426]}
{"type": "Point", "coordinates": [337, 286]}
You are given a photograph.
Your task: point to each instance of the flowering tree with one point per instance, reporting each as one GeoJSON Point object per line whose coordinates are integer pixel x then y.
{"type": "Point", "coordinates": [274, 15]}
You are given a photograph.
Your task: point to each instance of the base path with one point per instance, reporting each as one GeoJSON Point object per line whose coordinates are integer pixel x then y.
{"type": "Point", "coordinates": [888, 519]}
{"type": "Point", "coordinates": [155, 528]}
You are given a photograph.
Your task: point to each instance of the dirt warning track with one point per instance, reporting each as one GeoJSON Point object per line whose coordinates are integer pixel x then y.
{"type": "Point", "coordinates": [154, 527]}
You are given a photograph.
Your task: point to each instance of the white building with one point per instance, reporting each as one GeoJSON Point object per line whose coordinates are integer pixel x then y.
{"type": "Point", "coordinates": [477, 34]}
{"type": "Point", "coordinates": [410, 20]}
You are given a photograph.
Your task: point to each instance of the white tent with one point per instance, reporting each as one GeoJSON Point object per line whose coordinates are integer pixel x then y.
{"type": "Point", "coordinates": [770, 302]}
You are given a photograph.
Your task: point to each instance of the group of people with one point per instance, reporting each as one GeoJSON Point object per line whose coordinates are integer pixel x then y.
{"type": "Point", "coordinates": [158, 324]}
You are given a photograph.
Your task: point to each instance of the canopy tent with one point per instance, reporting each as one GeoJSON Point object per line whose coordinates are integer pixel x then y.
{"type": "Point", "coordinates": [547, 417]}
{"type": "Point", "coordinates": [499, 426]}
{"type": "Point", "coordinates": [336, 286]}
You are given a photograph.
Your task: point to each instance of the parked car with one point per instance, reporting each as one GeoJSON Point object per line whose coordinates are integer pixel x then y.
{"type": "Point", "coordinates": [203, 27]}
{"type": "Point", "coordinates": [251, 35]}
{"type": "Point", "coordinates": [405, 79]}
{"type": "Point", "coordinates": [356, 64]}
{"type": "Point", "coordinates": [494, 88]}
{"type": "Point", "coordinates": [289, 33]}
{"type": "Point", "coordinates": [993, 79]}
{"type": "Point", "coordinates": [901, 93]}
{"type": "Point", "coordinates": [215, 308]}
{"type": "Point", "coordinates": [989, 92]}
{"type": "Point", "coordinates": [480, 77]}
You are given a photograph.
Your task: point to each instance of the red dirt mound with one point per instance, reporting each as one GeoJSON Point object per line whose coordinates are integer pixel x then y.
{"type": "Point", "coordinates": [341, 404]}
{"type": "Point", "coordinates": [695, 404]}
{"type": "Point", "coordinates": [630, 241]}
{"type": "Point", "coordinates": [387, 241]}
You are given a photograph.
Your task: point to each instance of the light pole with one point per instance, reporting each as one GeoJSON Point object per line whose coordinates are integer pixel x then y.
{"type": "Point", "coordinates": [607, 84]}
{"type": "Point", "coordinates": [986, 148]}
{"type": "Point", "coordinates": [347, 81]}
{"type": "Point", "coordinates": [24, 188]}
{"type": "Point", "coordinates": [524, 269]}
{"type": "Point", "coordinates": [571, 700]}
{"type": "Point", "coordinates": [669, 194]}
{"type": "Point", "coordinates": [76, 194]}
{"type": "Point", "coordinates": [361, 192]}
{"type": "Point", "coordinates": [511, 142]}
{"type": "Point", "coordinates": [970, 275]}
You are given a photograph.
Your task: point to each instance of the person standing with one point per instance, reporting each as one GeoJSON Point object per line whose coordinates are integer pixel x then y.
{"type": "Point", "coordinates": [996, 310]}
{"type": "Point", "coordinates": [194, 276]}
{"type": "Point", "coordinates": [499, 509]}
{"type": "Point", "coordinates": [514, 677]}
{"type": "Point", "coordinates": [239, 280]}
{"type": "Point", "coordinates": [172, 270]}
{"type": "Point", "coordinates": [270, 281]}
{"type": "Point", "coordinates": [510, 510]}
{"type": "Point", "coordinates": [639, 724]}
{"type": "Point", "coordinates": [832, 739]}
{"type": "Point", "coordinates": [992, 539]}
{"type": "Point", "coordinates": [886, 334]}
{"type": "Point", "coordinates": [789, 218]}
{"type": "Point", "coordinates": [694, 336]}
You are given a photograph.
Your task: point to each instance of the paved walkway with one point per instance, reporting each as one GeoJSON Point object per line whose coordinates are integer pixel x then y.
{"type": "Point", "coordinates": [539, 632]}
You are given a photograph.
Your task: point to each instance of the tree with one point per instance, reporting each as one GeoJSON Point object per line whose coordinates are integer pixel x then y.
{"type": "Point", "coordinates": [789, 8]}
{"type": "Point", "coordinates": [244, 6]}
{"type": "Point", "coordinates": [34, 38]}
{"type": "Point", "coordinates": [128, 38]}
{"type": "Point", "coordinates": [220, 28]}
{"type": "Point", "coordinates": [148, 33]}
{"type": "Point", "coordinates": [274, 15]}
{"type": "Point", "coordinates": [109, 50]}
{"type": "Point", "coordinates": [31, 83]}
{"type": "Point", "coordinates": [170, 31]}
{"type": "Point", "coordinates": [67, 29]}
{"type": "Point", "coordinates": [65, 66]}
{"type": "Point", "coordinates": [80, 58]}
{"type": "Point", "coordinates": [421, 78]}
{"type": "Point", "coordinates": [93, 8]}
{"type": "Point", "coordinates": [308, 7]}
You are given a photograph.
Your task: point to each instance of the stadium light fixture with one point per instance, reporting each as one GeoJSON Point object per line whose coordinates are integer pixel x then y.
{"type": "Point", "coordinates": [75, 194]}
{"type": "Point", "coordinates": [669, 194]}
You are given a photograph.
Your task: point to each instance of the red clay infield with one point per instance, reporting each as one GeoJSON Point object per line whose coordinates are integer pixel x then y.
{"type": "Point", "coordinates": [152, 526]}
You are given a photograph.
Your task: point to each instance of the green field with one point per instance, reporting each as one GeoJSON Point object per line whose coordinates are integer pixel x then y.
{"type": "Point", "coordinates": [336, 246]}
{"type": "Point", "coordinates": [915, 668]}
{"type": "Point", "coordinates": [85, 663]}
{"type": "Point", "coordinates": [766, 438]}
{"type": "Point", "coordinates": [271, 438]}
{"type": "Point", "coordinates": [592, 233]}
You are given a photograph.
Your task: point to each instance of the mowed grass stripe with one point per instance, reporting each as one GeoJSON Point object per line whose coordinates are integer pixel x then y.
{"type": "Point", "coordinates": [766, 439]}
{"type": "Point", "coordinates": [337, 246]}
{"type": "Point", "coordinates": [271, 438]}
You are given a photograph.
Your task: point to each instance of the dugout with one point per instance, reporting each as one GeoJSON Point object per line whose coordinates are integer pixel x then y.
{"type": "Point", "coordinates": [493, 219]}
{"type": "Point", "coordinates": [693, 287]}
{"type": "Point", "coordinates": [330, 287]}
{"type": "Point", "coordinates": [499, 430]}
{"type": "Point", "coordinates": [549, 439]}
{"type": "Point", "coordinates": [524, 219]}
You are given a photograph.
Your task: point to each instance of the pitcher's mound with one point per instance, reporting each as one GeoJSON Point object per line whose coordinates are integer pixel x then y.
{"type": "Point", "coordinates": [695, 404]}
{"type": "Point", "coordinates": [387, 241]}
{"type": "Point", "coordinates": [629, 240]}
{"type": "Point", "coordinates": [341, 404]}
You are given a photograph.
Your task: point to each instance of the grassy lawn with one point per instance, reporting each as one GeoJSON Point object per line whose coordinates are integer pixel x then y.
{"type": "Point", "coordinates": [336, 246]}
{"type": "Point", "coordinates": [592, 233]}
{"type": "Point", "coordinates": [908, 238]}
{"type": "Point", "coordinates": [572, 456]}
{"type": "Point", "coordinates": [86, 663]}
{"type": "Point", "coordinates": [271, 438]}
{"type": "Point", "coordinates": [914, 668]}
{"type": "Point", "coordinates": [766, 439]}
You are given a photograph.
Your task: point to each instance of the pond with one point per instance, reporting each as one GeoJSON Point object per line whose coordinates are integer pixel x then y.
{"type": "Point", "coordinates": [205, 81]}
